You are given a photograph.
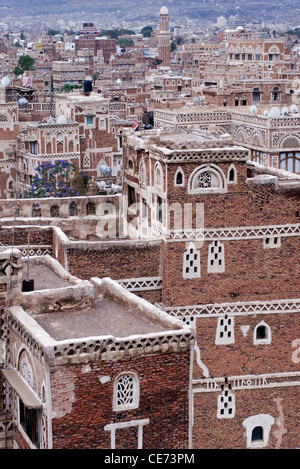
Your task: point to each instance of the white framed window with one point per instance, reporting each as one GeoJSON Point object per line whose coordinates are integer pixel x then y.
{"type": "Point", "coordinates": [232, 175]}
{"type": "Point", "coordinates": [216, 258]}
{"type": "Point", "coordinates": [262, 334]}
{"type": "Point", "coordinates": [207, 179]}
{"type": "Point", "coordinates": [191, 262]}
{"type": "Point", "coordinates": [225, 330]}
{"type": "Point", "coordinates": [257, 430]}
{"type": "Point", "coordinates": [139, 424]}
{"type": "Point", "coordinates": [272, 242]}
{"type": "Point", "coordinates": [226, 404]}
{"type": "Point", "coordinates": [126, 392]}
{"type": "Point", "coordinates": [179, 178]}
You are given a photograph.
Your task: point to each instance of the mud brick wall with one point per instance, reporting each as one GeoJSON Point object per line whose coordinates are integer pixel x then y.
{"type": "Point", "coordinates": [243, 357]}
{"type": "Point", "coordinates": [282, 403]}
{"type": "Point", "coordinates": [252, 273]}
{"type": "Point", "coordinates": [84, 405]}
{"type": "Point", "coordinates": [37, 236]}
{"type": "Point", "coordinates": [116, 260]}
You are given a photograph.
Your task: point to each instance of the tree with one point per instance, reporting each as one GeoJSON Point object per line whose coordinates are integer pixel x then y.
{"type": "Point", "coordinates": [52, 32]}
{"type": "Point", "coordinates": [173, 46]}
{"type": "Point", "coordinates": [69, 88]}
{"type": "Point", "coordinates": [147, 31]}
{"type": "Point", "coordinates": [59, 179]}
{"type": "Point", "coordinates": [125, 42]}
{"type": "Point", "coordinates": [25, 62]}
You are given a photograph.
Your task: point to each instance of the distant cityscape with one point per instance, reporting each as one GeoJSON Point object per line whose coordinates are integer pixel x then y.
{"type": "Point", "coordinates": [189, 14]}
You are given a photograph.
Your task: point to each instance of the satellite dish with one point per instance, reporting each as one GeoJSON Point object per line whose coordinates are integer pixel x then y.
{"type": "Point", "coordinates": [5, 81]}
{"type": "Point", "coordinates": [61, 120]}
{"type": "Point", "coordinates": [284, 111]}
{"type": "Point", "coordinates": [293, 108]}
{"type": "Point", "coordinates": [275, 112]}
{"type": "Point", "coordinates": [253, 110]}
{"type": "Point", "coordinates": [23, 102]}
{"type": "Point", "coordinates": [266, 113]}
{"type": "Point", "coordinates": [102, 185]}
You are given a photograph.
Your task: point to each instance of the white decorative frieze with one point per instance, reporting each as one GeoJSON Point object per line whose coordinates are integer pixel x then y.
{"type": "Point", "coordinates": [236, 309]}
{"type": "Point", "coordinates": [142, 283]}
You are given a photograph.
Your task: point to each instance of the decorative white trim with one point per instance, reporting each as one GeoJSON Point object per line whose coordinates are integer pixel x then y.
{"type": "Point", "coordinates": [191, 262]}
{"type": "Point", "coordinates": [226, 404]}
{"type": "Point", "coordinates": [238, 233]}
{"type": "Point", "coordinates": [225, 330]}
{"type": "Point", "coordinates": [236, 309]}
{"type": "Point", "coordinates": [272, 242]}
{"type": "Point", "coordinates": [218, 180]}
{"type": "Point", "coordinates": [261, 420]}
{"type": "Point", "coordinates": [274, 380]}
{"type": "Point", "coordinates": [216, 258]}
{"type": "Point", "coordinates": [126, 392]}
{"type": "Point", "coordinates": [141, 283]}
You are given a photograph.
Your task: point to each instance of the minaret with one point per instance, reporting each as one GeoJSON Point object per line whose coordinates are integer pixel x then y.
{"type": "Point", "coordinates": [164, 37]}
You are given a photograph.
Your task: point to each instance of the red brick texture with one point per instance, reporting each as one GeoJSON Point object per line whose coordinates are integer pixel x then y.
{"type": "Point", "coordinates": [163, 399]}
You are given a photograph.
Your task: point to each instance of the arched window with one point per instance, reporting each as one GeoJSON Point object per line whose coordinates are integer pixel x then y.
{"type": "Point", "coordinates": [256, 93]}
{"type": "Point", "coordinates": [232, 176]}
{"type": "Point", "coordinates": [158, 177]}
{"type": "Point", "coordinates": [36, 210]}
{"type": "Point", "coordinates": [290, 161]}
{"type": "Point", "coordinates": [126, 392]}
{"type": "Point", "coordinates": [257, 434]}
{"type": "Point", "coordinates": [72, 209]}
{"type": "Point", "coordinates": [54, 211]}
{"type": "Point", "coordinates": [258, 430]}
{"type": "Point", "coordinates": [207, 179]}
{"type": "Point", "coordinates": [262, 334]}
{"type": "Point", "coordinates": [90, 208]}
{"type": "Point", "coordinates": [276, 94]}
{"type": "Point", "coordinates": [143, 175]}
{"type": "Point", "coordinates": [179, 177]}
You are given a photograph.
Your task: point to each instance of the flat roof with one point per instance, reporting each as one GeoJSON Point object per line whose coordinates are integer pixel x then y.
{"type": "Point", "coordinates": [44, 277]}
{"type": "Point", "coordinates": [106, 318]}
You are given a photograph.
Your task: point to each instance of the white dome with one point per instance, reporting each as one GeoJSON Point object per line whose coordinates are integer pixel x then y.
{"type": "Point", "coordinates": [164, 11]}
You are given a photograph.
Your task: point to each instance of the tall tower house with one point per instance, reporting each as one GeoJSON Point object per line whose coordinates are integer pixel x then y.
{"type": "Point", "coordinates": [164, 37]}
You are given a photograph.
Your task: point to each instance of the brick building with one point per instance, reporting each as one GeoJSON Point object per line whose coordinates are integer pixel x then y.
{"type": "Point", "coordinates": [204, 236]}
{"type": "Point", "coordinates": [107, 346]}
{"type": "Point", "coordinates": [89, 39]}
